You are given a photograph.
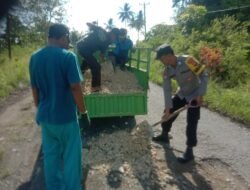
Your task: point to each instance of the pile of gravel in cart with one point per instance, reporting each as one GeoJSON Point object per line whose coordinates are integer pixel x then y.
{"type": "Point", "coordinates": [113, 82]}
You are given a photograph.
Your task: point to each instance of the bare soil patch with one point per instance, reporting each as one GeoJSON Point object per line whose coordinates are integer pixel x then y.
{"type": "Point", "coordinates": [19, 139]}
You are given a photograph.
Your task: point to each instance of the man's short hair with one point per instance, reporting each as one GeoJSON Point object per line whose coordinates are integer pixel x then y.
{"type": "Point", "coordinates": [123, 31]}
{"type": "Point", "coordinates": [57, 31]}
{"type": "Point", "coordinates": [164, 49]}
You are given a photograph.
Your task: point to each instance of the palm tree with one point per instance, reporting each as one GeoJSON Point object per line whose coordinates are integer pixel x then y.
{"type": "Point", "coordinates": [109, 25]}
{"type": "Point", "coordinates": [137, 23]}
{"type": "Point", "coordinates": [125, 14]}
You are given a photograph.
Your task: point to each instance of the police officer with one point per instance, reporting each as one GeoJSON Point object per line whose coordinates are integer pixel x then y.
{"type": "Point", "coordinates": [192, 88]}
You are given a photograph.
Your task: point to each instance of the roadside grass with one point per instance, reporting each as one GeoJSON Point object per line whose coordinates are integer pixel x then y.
{"type": "Point", "coordinates": [234, 102]}
{"type": "Point", "coordinates": [231, 102]}
{"type": "Point", "coordinates": [14, 72]}
{"type": "Point", "coordinates": [156, 72]}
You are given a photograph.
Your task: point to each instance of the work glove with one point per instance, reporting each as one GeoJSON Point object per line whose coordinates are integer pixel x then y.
{"type": "Point", "coordinates": [83, 120]}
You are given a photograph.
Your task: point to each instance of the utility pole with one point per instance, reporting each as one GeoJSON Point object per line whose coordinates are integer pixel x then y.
{"type": "Point", "coordinates": [144, 14]}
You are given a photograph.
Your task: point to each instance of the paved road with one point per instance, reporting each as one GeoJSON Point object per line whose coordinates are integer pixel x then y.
{"type": "Point", "coordinates": [218, 136]}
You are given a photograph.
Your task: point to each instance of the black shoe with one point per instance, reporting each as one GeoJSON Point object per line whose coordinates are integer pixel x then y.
{"type": "Point", "coordinates": [187, 156]}
{"type": "Point", "coordinates": [161, 138]}
{"type": "Point", "coordinates": [96, 89]}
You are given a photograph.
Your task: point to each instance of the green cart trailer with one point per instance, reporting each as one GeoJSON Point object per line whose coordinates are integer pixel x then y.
{"type": "Point", "coordinates": [101, 105]}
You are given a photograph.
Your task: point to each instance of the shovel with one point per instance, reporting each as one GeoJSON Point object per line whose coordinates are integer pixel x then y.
{"type": "Point", "coordinates": [176, 112]}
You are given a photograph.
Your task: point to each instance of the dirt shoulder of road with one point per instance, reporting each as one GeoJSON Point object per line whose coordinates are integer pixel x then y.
{"type": "Point", "coordinates": [121, 156]}
{"type": "Point", "coordinates": [19, 139]}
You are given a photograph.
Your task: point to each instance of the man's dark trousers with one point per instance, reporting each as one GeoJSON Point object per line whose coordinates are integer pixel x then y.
{"type": "Point", "coordinates": [193, 116]}
{"type": "Point", "coordinates": [95, 68]}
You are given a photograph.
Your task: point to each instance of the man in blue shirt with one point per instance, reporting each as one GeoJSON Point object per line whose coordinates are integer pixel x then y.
{"type": "Point", "coordinates": [123, 45]}
{"type": "Point", "coordinates": [55, 81]}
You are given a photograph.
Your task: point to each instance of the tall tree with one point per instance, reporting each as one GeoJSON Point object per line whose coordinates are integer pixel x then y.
{"type": "Point", "coordinates": [44, 12]}
{"type": "Point", "coordinates": [31, 14]}
{"type": "Point", "coordinates": [137, 23]}
{"type": "Point", "coordinates": [207, 3]}
{"type": "Point", "coordinates": [110, 24]}
{"type": "Point", "coordinates": [8, 35]}
{"type": "Point", "coordinates": [125, 13]}
{"type": "Point", "coordinates": [161, 33]}
{"type": "Point", "coordinates": [211, 4]}
{"type": "Point", "coordinates": [192, 17]}
{"type": "Point", "coordinates": [238, 8]}
{"type": "Point", "coordinates": [5, 6]}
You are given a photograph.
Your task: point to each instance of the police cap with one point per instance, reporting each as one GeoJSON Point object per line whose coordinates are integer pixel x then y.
{"type": "Point", "coordinates": [163, 49]}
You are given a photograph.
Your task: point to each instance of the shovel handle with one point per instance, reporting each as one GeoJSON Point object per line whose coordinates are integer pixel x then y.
{"type": "Point", "coordinates": [176, 112]}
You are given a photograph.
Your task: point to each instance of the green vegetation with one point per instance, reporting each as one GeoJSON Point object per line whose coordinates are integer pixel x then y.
{"type": "Point", "coordinates": [15, 72]}
{"type": "Point", "coordinates": [156, 72]}
{"type": "Point", "coordinates": [228, 91]}
{"type": "Point", "coordinates": [232, 102]}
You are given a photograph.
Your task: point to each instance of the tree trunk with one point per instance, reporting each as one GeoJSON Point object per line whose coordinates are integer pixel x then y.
{"type": "Point", "coordinates": [8, 36]}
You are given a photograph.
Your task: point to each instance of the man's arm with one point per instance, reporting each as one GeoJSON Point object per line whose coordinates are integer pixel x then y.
{"type": "Point", "coordinates": [35, 96]}
{"type": "Point", "coordinates": [204, 82]}
{"type": "Point", "coordinates": [203, 87]}
{"type": "Point", "coordinates": [167, 91]}
{"type": "Point", "coordinates": [78, 97]}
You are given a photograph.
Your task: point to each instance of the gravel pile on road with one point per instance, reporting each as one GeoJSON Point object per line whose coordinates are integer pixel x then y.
{"type": "Point", "coordinates": [113, 82]}
{"type": "Point", "coordinates": [123, 156]}
{"type": "Point", "coordinates": [127, 159]}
